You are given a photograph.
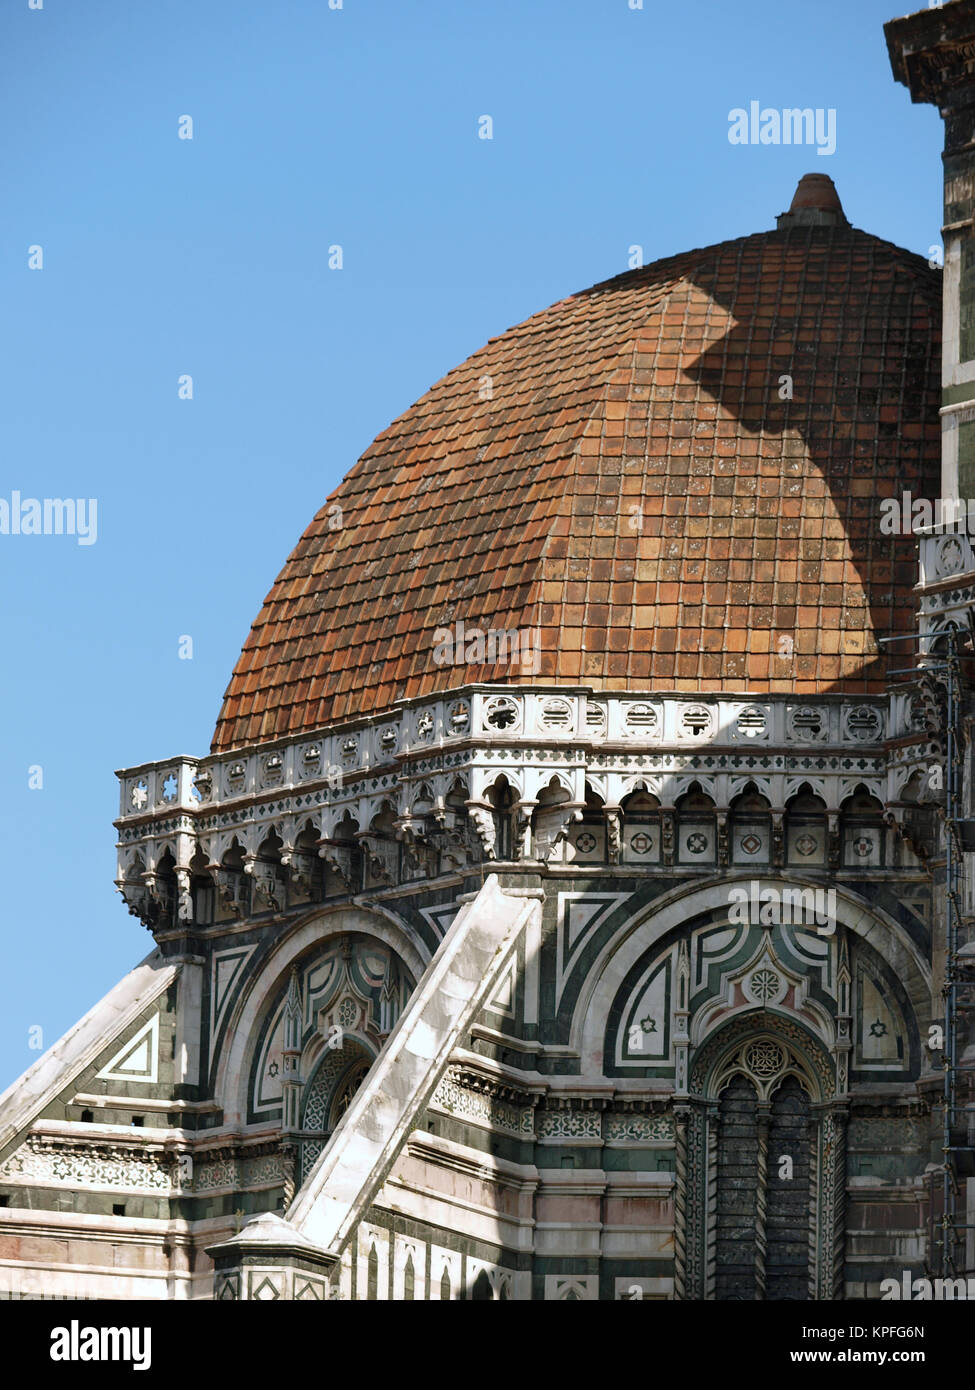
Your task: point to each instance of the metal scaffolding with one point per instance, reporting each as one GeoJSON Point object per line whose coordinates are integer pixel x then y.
{"type": "Point", "coordinates": [958, 1115]}
{"type": "Point", "coordinates": [949, 1252]}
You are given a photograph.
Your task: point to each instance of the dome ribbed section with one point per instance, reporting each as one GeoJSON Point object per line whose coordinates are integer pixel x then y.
{"type": "Point", "coordinates": [675, 477]}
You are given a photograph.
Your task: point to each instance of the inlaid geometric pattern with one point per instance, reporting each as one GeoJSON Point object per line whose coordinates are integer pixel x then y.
{"type": "Point", "coordinates": [226, 971]}
{"type": "Point", "coordinates": [309, 1290]}
{"type": "Point", "coordinates": [580, 914]}
{"type": "Point", "coordinates": [441, 917]}
{"type": "Point", "coordinates": [138, 1059]}
{"type": "Point", "coordinates": [645, 1035]}
{"type": "Point", "coordinates": [503, 999]}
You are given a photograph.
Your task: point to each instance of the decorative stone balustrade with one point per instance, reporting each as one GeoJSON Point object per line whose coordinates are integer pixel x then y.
{"type": "Point", "coordinates": [499, 717]}
{"type": "Point", "coordinates": [413, 793]}
{"type": "Point", "coordinates": [947, 580]}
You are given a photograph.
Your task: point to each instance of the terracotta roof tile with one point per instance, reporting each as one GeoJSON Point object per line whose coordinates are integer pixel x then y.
{"type": "Point", "coordinates": [633, 485]}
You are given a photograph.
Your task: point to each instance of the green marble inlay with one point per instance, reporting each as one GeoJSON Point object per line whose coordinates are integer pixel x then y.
{"type": "Point", "coordinates": [966, 296]}
{"type": "Point", "coordinates": [966, 459]}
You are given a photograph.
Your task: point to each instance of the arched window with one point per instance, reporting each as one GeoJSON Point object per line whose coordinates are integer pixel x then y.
{"type": "Point", "coordinates": [343, 859]}
{"type": "Point", "coordinates": [735, 1247]}
{"type": "Point", "coordinates": [307, 868]}
{"type": "Point", "coordinates": [201, 890]}
{"type": "Point", "coordinates": [788, 1196]}
{"type": "Point", "coordinates": [806, 830]}
{"type": "Point", "coordinates": [750, 829]}
{"type": "Point", "coordinates": [587, 837]}
{"type": "Point", "coordinates": [762, 1202]}
{"type": "Point", "coordinates": [381, 857]}
{"type": "Point", "coordinates": [549, 820]}
{"type": "Point", "coordinates": [327, 1096]}
{"type": "Point", "coordinates": [863, 830]}
{"type": "Point", "coordinates": [696, 829]}
{"type": "Point", "coordinates": [166, 890]}
{"type": "Point", "coordinates": [753, 1215]}
{"type": "Point", "coordinates": [502, 799]}
{"type": "Point", "coordinates": [344, 1096]}
{"type": "Point", "coordinates": [267, 876]}
{"type": "Point", "coordinates": [641, 833]}
{"type": "Point", "coordinates": [232, 884]}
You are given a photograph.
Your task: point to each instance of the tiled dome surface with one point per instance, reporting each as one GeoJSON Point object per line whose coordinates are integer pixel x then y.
{"type": "Point", "coordinates": [620, 472]}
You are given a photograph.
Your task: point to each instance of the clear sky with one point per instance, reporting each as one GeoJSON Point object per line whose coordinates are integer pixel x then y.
{"type": "Point", "coordinates": [315, 127]}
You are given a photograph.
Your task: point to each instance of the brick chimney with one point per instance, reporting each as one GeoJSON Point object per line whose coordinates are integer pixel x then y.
{"type": "Point", "coordinates": [933, 54]}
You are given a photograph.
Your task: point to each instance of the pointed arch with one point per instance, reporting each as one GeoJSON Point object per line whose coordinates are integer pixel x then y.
{"type": "Point", "coordinates": [731, 1203]}
{"type": "Point", "coordinates": [623, 949]}
{"type": "Point", "coordinates": [249, 1014]}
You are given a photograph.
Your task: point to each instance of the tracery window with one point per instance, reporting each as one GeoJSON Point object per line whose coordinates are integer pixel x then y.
{"type": "Point", "coordinates": [327, 1097]}
{"type": "Point", "coordinates": [345, 1096]}
{"type": "Point", "coordinates": [761, 1167]}
{"type": "Point", "coordinates": [762, 1208]}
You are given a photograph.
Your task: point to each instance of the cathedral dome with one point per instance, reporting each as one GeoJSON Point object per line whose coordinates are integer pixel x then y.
{"type": "Point", "coordinates": [672, 478]}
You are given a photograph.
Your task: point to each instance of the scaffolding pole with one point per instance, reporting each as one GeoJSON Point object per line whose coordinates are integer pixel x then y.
{"type": "Point", "coordinates": [949, 1203]}
{"type": "Point", "coordinates": [958, 1143]}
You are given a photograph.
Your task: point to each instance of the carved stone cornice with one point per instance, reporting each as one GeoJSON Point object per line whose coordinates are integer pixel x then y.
{"type": "Point", "coordinates": [933, 52]}
{"type": "Point", "coordinates": [417, 796]}
{"type": "Point", "coordinates": [556, 1101]}
{"type": "Point", "coordinates": [891, 1107]}
{"type": "Point", "coordinates": [641, 1105]}
{"type": "Point", "coordinates": [493, 1086]}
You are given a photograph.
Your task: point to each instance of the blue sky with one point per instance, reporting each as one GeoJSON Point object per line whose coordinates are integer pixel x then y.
{"type": "Point", "coordinates": [163, 257]}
